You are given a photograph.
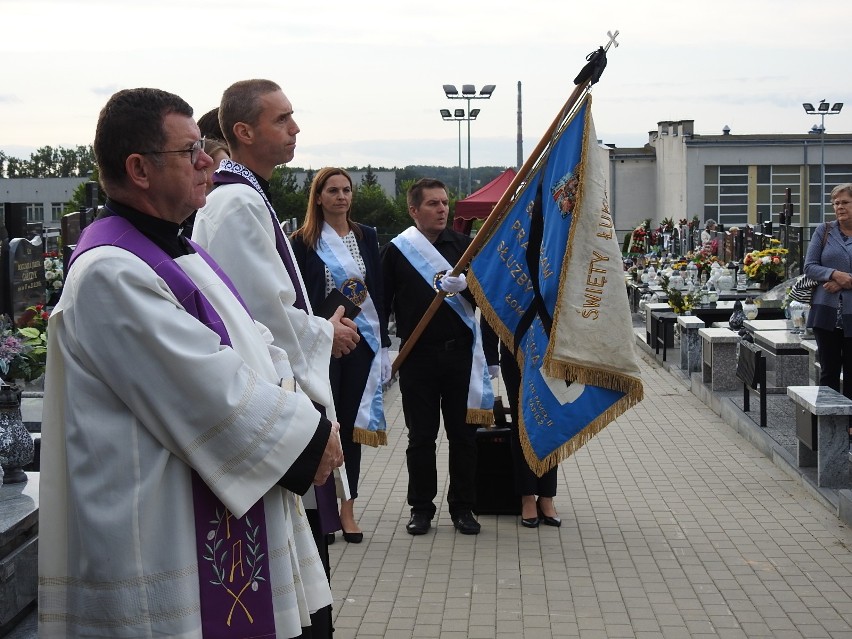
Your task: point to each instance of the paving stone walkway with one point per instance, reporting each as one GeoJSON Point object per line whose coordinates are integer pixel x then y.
{"type": "Point", "coordinates": [673, 526]}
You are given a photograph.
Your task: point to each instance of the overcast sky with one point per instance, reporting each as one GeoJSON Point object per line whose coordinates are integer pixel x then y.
{"type": "Point", "coordinates": [365, 77]}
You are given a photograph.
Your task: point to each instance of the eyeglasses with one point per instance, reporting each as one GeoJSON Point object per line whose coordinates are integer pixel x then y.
{"type": "Point", "coordinates": [193, 151]}
{"type": "Point", "coordinates": [842, 203]}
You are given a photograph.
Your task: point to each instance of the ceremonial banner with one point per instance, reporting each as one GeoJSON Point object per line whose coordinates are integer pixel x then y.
{"type": "Point", "coordinates": [550, 280]}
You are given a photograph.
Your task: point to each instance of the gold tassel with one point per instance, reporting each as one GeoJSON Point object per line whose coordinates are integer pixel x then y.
{"type": "Point", "coordinates": [372, 438]}
{"type": "Point", "coordinates": [480, 416]}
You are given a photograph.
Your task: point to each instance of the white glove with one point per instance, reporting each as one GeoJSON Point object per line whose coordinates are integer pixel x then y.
{"type": "Point", "coordinates": [494, 371]}
{"type": "Point", "coordinates": [386, 366]}
{"type": "Point", "coordinates": [452, 284]}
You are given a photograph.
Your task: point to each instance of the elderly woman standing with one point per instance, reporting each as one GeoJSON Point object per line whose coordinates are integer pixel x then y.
{"type": "Point", "coordinates": [829, 262]}
{"type": "Point", "coordinates": [333, 251]}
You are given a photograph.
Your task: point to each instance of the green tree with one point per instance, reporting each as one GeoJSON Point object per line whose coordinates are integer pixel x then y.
{"type": "Point", "coordinates": [78, 197]}
{"type": "Point", "coordinates": [50, 162]}
{"type": "Point", "coordinates": [372, 207]}
{"type": "Point", "coordinates": [286, 197]}
{"type": "Point", "coordinates": [369, 178]}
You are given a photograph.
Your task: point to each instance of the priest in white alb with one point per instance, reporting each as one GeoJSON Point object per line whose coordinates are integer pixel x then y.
{"type": "Point", "coordinates": [174, 443]}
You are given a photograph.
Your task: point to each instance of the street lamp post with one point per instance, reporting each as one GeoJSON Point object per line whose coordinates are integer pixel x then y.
{"type": "Point", "coordinates": [469, 93]}
{"type": "Point", "coordinates": [458, 115]}
{"type": "Point", "coordinates": [822, 110]}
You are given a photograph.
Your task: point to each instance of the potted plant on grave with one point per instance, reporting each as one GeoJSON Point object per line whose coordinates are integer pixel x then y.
{"type": "Point", "coordinates": [23, 354]}
{"type": "Point", "coordinates": [23, 348]}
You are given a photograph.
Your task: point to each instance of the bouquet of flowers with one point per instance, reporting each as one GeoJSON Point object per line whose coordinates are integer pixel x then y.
{"type": "Point", "coordinates": [666, 225]}
{"type": "Point", "coordinates": [769, 262]}
{"type": "Point", "coordinates": [23, 351]}
{"type": "Point", "coordinates": [639, 239]}
{"type": "Point", "coordinates": [703, 260]}
{"type": "Point", "coordinates": [53, 271]}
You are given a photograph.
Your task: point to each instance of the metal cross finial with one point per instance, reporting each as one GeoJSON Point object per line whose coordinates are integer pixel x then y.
{"type": "Point", "coordinates": [612, 37]}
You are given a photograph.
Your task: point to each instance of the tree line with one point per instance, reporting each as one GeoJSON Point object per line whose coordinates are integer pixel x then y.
{"type": "Point", "coordinates": [370, 204]}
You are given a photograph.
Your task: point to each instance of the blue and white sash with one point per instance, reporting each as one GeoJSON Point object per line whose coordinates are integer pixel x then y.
{"type": "Point", "coordinates": [428, 262]}
{"type": "Point", "coordinates": [370, 426]}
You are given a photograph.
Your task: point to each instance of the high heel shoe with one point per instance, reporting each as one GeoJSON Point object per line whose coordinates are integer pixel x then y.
{"type": "Point", "coordinates": [546, 520]}
{"type": "Point", "coordinates": [353, 537]}
{"type": "Point", "coordinates": [532, 522]}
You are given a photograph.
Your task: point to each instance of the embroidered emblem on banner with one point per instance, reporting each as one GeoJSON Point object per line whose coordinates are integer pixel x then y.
{"type": "Point", "coordinates": [565, 192]}
{"type": "Point", "coordinates": [355, 289]}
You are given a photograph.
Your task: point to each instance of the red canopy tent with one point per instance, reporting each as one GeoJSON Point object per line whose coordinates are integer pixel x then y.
{"type": "Point", "coordinates": [478, 205]}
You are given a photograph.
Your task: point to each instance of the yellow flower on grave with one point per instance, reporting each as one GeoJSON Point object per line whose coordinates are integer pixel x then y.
{"type": "Point", "coordinates": [770, 261]}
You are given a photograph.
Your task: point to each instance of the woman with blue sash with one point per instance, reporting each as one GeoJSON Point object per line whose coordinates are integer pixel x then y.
{"type": "Point", "coordinates": [334, 252]}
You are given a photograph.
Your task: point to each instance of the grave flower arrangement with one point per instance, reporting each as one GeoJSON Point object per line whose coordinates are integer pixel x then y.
{"type": "Point", "coordinates": [666, 225]}
{"type": "Point", "coordinates": [769, 263]}
{"type": "Point", "coordinates": [678, 301]}
{"type": "Point", "coordinates": [703, 260]}
{"type": "Point", "coordinates": [639, 239]}
{"type": "Point", "coordinates": [53, 272]}
{"type": "Point", "coordinates": [23, 349]}
{"type": "Point", "coordinates": [693, 223]}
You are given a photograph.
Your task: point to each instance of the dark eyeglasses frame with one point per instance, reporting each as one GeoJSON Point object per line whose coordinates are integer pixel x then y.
{"type": "Point", "coordinates": [194, 151]}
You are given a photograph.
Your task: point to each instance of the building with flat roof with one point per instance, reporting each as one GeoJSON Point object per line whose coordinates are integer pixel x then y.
{"type": "Point", "coordinates": [733, 179]}
{"type": "Point", "coordinates": [45, 198]}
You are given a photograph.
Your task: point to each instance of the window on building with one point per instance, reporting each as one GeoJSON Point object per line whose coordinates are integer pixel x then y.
{"type": "Point", "coordinates": [772, 184]}
{"type": "Point", "coordinates": [35, 212]}
{"type": "Point", "coordinates": [57, 209]}
{"type": "Point", "coordinates": [726, 194]}
{"type": "Point", "coordinates": [834, 174]}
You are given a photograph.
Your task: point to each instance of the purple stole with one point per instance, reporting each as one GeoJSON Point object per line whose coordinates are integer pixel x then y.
{"type": "Point", "coordinates": [234, 579]}
{"type": "Point", "coordinates": [245, 176]}
{"type": "Point", "coordinates": [234, 173]}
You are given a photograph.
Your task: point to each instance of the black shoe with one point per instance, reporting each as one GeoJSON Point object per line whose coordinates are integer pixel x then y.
{"type": "Point", "coordinates": [329, 539]}
{"type": "Point", "coordinates": [532, 522]}
{"type": "Point", "coordinates": [548, 521]}
{"type": "Point", "coordinates": [353, 538]}
{"type": "Point", "coordinates": [465, 523]}
{"type": "Point", "coordinates": [419, 524]}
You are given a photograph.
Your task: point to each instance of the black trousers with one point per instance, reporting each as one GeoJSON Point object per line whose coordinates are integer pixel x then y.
{"type": "Point", "coordinates": [835, 355]}
{"type": "Point", "coordinates": [348, 375]}
{"type": "Point", "coordinates": [435, 383]}
{"type": "Point", "coordinates": [526, 482]}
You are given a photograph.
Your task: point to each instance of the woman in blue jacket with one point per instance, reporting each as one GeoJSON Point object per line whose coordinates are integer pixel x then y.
{"type": "Point", "coordinates": [829, 262]}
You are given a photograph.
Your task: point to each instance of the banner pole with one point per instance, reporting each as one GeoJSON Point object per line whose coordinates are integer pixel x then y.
{"type": "Point", "coordinates": [497, 212]}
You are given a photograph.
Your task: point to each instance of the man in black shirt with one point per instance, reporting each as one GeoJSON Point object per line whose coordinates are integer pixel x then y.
{"type": "Point", "coordinates": [436, 376]}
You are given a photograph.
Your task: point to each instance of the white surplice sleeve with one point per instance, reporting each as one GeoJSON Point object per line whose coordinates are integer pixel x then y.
{"type": "Point", "coordinates": [235, 227]}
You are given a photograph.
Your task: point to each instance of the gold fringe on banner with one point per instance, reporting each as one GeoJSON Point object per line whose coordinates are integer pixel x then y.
{"type": "Point", "coordinates": [372, 438]}
{"type": "Point", "coordinates": [541, 466]}
{"type": "Point", "coordinates": [488, 312]}
{"type": "Point", "coordinates": [596, 377]}
{"type": "Point", "coordinates": [480, 416]}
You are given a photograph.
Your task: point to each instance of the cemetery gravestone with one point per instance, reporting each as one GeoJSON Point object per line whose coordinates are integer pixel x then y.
{"type": "Point", "coordinates": [70, 231]}
{"type": "Point", "coordinates": [25, 276]}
